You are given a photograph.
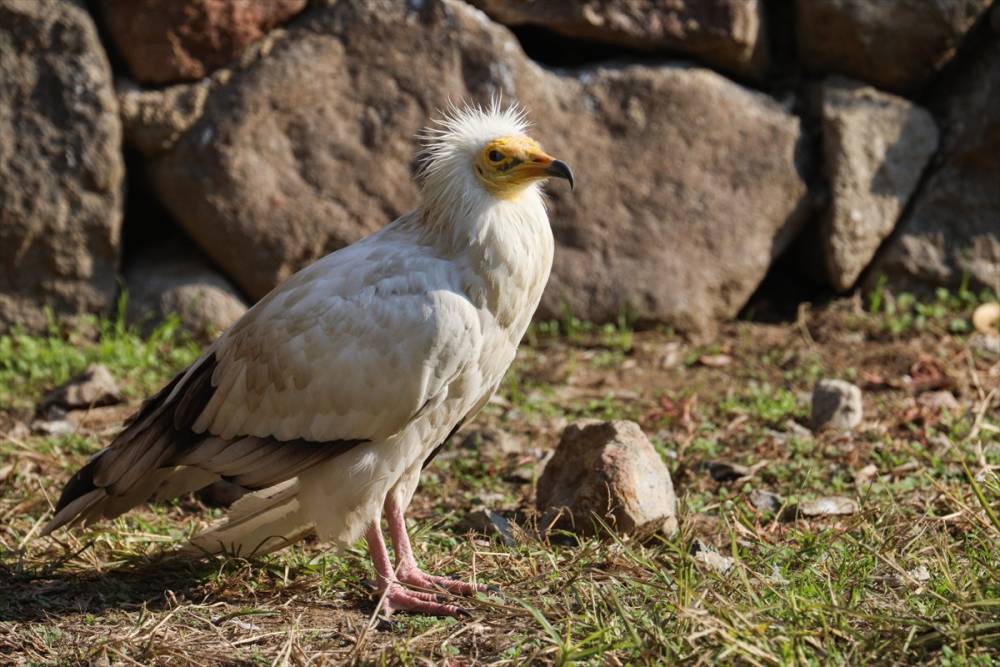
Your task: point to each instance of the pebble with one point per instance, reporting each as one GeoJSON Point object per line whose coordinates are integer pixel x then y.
{"type": "Point", "coordinates": [836, 405]}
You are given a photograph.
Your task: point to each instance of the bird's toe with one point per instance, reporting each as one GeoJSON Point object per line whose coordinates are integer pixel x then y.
{"type": "Point", "coordinates": [402, 599]}
{"type": "Point", "coordinates": [423, 595]}
{"type": "Point", "coordinates": [458, 586]}
{"type": "Point", "coordinates": [431, 582]}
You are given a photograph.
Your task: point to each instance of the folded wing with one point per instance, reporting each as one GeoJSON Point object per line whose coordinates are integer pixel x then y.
{"type": "Point", "coordinates": [346, 352]}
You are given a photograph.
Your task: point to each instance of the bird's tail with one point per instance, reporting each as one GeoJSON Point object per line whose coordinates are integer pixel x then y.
{"type": "Point", "coordinates": [258, 523]}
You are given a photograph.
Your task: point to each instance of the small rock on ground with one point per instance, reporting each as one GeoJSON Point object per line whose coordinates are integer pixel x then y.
{"type": "Point", "coordinates": [986, 319]}
{"type": "Point", "coordinates": [484, 520]}
{"type": "Point", "coordinates": [836, 405]}
{"type": "Point", "coordinates": [766, 501]}
{"type": "Point", "coordinates": [721, 471]}
{"type": "Point", "coordinates": [95, 387]}
{"type": "Point", "coordinates": [825, 506]}
{"type": "Point", "coordinates": [492, 439]}
{"type": "Point", "coordinates": [866, 475]}
{"type": "Point", "coordinates": [710, 557]}
{"type": "Point", "coordinates": [941, 401]}
{"type": "Point", "coordinates": [607, 470]}
{"type": "Point", "coordinates": [52, 427]}
{"type": "Point", "coordinates": [985, 344]}
{"type": "Point", "coordinates": [913, 578]}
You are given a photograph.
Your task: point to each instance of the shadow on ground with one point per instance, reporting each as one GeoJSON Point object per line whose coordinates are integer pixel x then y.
{"type": "Point", "coordinates": [154, 583]}
{"type": "Point", "coordinates": [58, 591]}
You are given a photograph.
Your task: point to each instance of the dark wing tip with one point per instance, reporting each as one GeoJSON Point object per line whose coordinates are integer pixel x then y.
{"type": "Point", "coordinates": [158, 415]}
{"type": "Point", "coordinates": [79, 484]}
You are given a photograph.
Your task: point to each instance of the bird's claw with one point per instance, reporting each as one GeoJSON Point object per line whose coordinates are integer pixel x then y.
{"type": "Point", "coordinates": [398, 598]}
{"type": "Point", "coordinates": [431, 582]}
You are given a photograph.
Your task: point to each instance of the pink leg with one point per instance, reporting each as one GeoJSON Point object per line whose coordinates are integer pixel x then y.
{"type": "Point", "coordinates": [398, 598]}
{"type": "Point", "coordinates": [407, 570]}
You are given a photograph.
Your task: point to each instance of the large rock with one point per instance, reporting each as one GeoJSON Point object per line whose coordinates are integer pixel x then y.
{"type": "Point", "coordinates": [61, 167]}
{"type": "Point", "coordinates": [724, 33]}
{"type": "Point", "coordinates": [689, 183]}
{"type": "Point", "coordinates": [894, 44]}
{"type": "Point", "coordinates": [953, 230]}
{"type": "Point", "coordinates": [154, 119]}
{"type": "Point", "coordinates": [175, 279]}
{"type": "Point", "coordinates": [689, 187]}
{"type": "Point", "coordinates": [876, 146]}
{"type": "Point", "coordinates": [175, 40]}
{"type": "Point", "coordinates": [607, 470]}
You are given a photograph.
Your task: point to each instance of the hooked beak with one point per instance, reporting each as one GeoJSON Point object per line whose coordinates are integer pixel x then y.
{"type": "Point", "coordinates": [543, 165]}
{"type": "Point", "coordinates": [560, 169]}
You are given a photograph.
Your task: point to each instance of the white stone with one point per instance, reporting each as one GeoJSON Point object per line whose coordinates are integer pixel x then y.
{"type": "Point", "coordinates": [836, 405]}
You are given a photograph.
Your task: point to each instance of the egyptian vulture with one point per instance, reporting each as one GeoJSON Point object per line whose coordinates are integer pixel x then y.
{"type": "Point", "coordinates": [329, 396]}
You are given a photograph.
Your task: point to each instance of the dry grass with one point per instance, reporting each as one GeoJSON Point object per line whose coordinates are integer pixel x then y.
{"type": "Point", "coordinates": [913, 577]}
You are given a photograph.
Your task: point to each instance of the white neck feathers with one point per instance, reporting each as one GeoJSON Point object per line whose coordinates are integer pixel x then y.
{"type": "Point", "coordinates": [506, 243]}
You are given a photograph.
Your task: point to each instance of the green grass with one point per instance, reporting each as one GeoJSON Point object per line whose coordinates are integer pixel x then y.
{"type": "Point", "coordinates": [767, 404]}
{"type": "Point", "coordinates": [948, 310]}
{"type": "Point", "coordinates": [31, 364]}
{"type": "Point", "coordinates": [615, 336]}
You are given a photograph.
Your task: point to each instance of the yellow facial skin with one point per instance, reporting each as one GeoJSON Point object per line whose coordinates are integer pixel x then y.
{"type": "Point", "coordinates": [507, 165]}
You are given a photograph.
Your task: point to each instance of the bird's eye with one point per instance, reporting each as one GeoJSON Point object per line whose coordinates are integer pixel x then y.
{"type": "Point", "coordinates": [495, 156]}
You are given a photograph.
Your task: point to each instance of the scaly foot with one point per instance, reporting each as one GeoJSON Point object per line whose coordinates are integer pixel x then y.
{"type": "Point", "coordinates": [407, 570]}
{"type": "Point", "coordinates": [399, 598]}
{"type": "Point", "coordinates": [428, 582]}
{"type": "Point", "coordinates": [396, 597]}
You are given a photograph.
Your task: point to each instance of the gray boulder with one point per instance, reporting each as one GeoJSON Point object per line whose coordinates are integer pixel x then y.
{"type": "Point", "coordinates": [876, 146]}
{"type": "Point", "coordinates": [153, 119]}
{"type": "Point", "coordinates": [61, 167]}
{"type": "Point", "coordinates": [729, 34]}
{"type": "Point", "coordinates": [897, 45]}
{"type": "Point", "coordinates": [689, 183]}
{"type": "Point", "coordinates": [697, 189]}
{"type": "Point", "coordinates": [175, 279]}
{"type": "Point", "coordinates": [952, 232]}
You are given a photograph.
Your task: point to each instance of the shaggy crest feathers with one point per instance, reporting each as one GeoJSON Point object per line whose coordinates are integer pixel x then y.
{"type": "Point", "coordinates": [449, 188]}
{"type": "Point", "coordinates": [466, 129]}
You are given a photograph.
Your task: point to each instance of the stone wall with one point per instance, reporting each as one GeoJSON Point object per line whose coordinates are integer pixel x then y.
{"type": "Point", "coordinates": [710, 137]}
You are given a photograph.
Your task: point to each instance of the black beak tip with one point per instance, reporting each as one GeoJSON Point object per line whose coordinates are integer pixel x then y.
{"type": "Point", "coordinates": [560, 169]}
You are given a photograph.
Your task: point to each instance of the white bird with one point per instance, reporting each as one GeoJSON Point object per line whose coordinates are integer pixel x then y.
{"type": "Point", "coordinates": [330, 395]}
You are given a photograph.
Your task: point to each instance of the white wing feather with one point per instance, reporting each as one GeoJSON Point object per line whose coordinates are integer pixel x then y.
{"type": "Point", "coordinates": [350, 348]}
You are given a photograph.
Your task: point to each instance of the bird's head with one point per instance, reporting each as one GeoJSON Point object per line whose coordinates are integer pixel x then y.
{"type": "Point", "coordinates": [487, 150]}
{"type": "Point", "coordinates": [507, 164]}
